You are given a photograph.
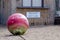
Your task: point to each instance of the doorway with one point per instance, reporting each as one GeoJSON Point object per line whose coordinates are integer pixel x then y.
{"type": "Point", "coordinates": [57, 14]}
{"type": "Point", "coordinates": [57, 21]}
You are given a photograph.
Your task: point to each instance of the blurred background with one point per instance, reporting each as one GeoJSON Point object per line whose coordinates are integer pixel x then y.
{"type": "Point", "coordinates": [43, 17]}
{"type": "Point", "coordinates": [38, 12]}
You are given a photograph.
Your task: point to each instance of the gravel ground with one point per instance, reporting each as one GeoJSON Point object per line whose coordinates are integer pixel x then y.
{"type": "Point", "coordinates": [33, 33]}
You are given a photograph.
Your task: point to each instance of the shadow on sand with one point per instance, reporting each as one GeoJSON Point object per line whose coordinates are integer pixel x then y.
{"type": "Point", "coordinates": [15, 35]}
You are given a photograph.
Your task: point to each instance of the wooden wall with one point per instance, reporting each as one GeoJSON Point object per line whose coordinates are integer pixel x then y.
{"type": "Point", "coordinates": [52, 10]}
{"type": "Point", "coordinates": [47, 13]}
{"type": "Point", "coordinates": [36, 21]}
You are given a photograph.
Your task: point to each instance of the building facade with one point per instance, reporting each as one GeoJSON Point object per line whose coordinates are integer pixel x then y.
{"type": "Point", "coordinates": [38, 12]}
{"type": "Point", "coordinates": [6, 9]}
{"type": "Point", "coordinates": [46, 9]}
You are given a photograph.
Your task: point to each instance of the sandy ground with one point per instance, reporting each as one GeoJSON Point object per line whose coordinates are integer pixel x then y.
{"type": "Point", "coordinates": [33, 33]}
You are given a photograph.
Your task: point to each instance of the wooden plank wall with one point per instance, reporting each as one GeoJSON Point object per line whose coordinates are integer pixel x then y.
{"type": "Point", "coordinates": [52, 9]}
{"type": "Point", "coordinates": [47, 15]}
{"type": "Point", "coordinates": [36, 21]}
